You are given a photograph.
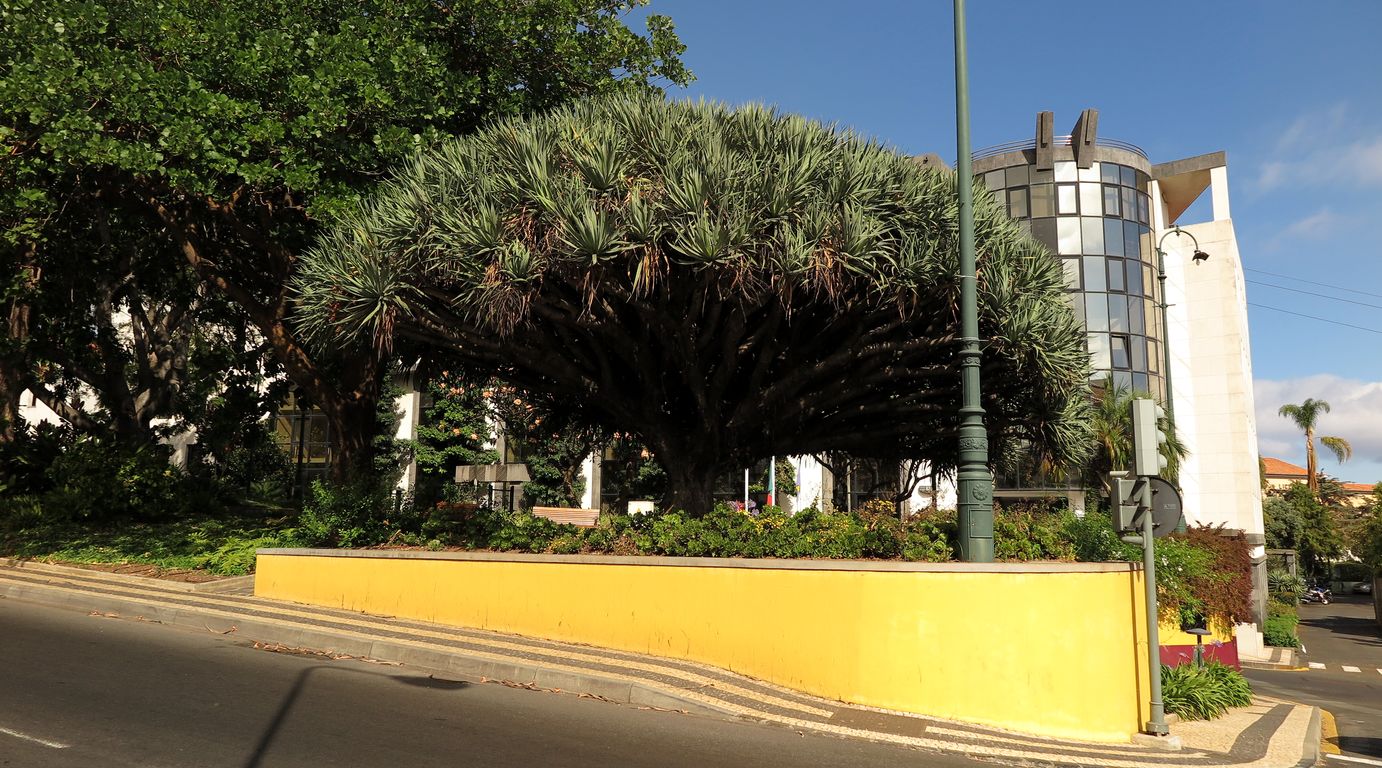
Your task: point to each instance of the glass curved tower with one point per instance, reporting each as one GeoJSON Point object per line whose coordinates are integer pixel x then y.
{"type": "Point", "coordinates": [1088, 201]}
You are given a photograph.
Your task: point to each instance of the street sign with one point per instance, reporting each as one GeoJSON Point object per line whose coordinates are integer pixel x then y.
{"type": "Point", "coordinates": [1166, 507]}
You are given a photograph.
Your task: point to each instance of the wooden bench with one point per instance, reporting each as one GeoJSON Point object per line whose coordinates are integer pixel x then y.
{"type": "Point", "coordinates": [584, 518]}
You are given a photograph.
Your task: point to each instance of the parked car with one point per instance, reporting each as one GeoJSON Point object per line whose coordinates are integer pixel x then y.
{"type": "Point", "coordinates": [1362, 588]}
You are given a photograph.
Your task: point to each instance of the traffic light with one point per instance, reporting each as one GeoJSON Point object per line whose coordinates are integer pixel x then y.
{"type": "Point", "coordinates": [1147, 438]}
{"type": "Point", "coordinates": [1123, 501]}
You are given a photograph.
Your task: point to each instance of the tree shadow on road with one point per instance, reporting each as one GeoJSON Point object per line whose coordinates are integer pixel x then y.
{"type": "Point", "coordinates": [256, 758]}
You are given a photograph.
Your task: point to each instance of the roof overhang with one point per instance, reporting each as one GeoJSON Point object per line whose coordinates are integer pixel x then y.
{"type": "Point", "coordinates": [1183, 181]}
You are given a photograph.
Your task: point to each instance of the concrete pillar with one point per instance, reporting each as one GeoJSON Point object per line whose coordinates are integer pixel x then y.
{"type": "Point", "coordinates": [1218, 188]}
{"type": "Point", "coordinates": [590, 469]}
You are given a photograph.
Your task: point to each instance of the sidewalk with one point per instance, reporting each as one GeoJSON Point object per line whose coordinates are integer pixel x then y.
{"type": "Point", "coordinates": [1269, 734]}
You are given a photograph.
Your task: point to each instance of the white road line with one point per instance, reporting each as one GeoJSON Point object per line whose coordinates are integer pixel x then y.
{"type": "Point", "coordinates": [1316, 665]}
{"type": "Point", "coordinates": [34, 739]}
{"type": "Point", "coordinates": [1352, 759]}
{"type": "Point", "coordinates": [1347, 668]}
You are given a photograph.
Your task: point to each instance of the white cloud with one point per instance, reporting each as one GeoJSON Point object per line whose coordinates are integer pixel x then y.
{"type": "Point", "coordinates": [1355, 415]}
{"type": "Point", "coordinates": [1316, 223]}
{"type": "Point", "coordinates": [1323, 148]}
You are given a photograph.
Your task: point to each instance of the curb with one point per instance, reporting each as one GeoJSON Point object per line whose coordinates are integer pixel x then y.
{"type": "Point", "coordinates": [219, 586]}
{"type": "Point", "coordinates": [1310, 749]}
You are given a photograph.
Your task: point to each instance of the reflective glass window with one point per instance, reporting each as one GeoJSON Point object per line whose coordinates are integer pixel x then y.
{"type": "Point", "coordinates": [1129, 202]}
{"type": "Point", "coordinates": [1111, 198]}
{"type": "Point", "coordinates": [1118, 312]}
{"type": "Point", "coordinates": [1089, 174]}
{"type": "Point", "coordinates": [1115, 275]}
{"type": "Point", "coordinates": [1065, 199]}
{"type": "Point", "coordinates": [1134, 269]}
{"type": "Point", "coordinates": [1099, 354]}
{"type": "Point", "coordinates": [1138, 353]}
{"type": "Point", "coordinates": [1118, 351]}
{"type": "Point", "coordinates": [1068, 235]}
{"type": "Point", "coordinates": [1142, 208]}
{"type": "Point", "coordinates": [1076, 301]}
{"type": "Point", "coordinates": [1066, 171]}
{"type": "Point", "coordinates": [1145, 242]}
{"type": "Point", "coordinates": [1045, 176]}
{"type": "Point", "coordinates": [1129, 177]}
{"type": "Point", "coordinates": [1149, 285]}
{"type": "Point", "coordinates": [1130, 234]}
{"type": "Point", "coordinates": [1091, 199]}
{"type": "Point", "coordinates": [1096, 311]}
{"type": "Point", "coordinates": [1017, 176]}
{"type": "Point", "coordinates": [1153, 356]}
{"type": "Point", "coordinates": [1140, 382]}
{"type": "Point", "coordinates": [1072, 273]}
{"type": "Point", "coordinates": [1094, 274]}
{"type": "Point", "coordinates": [1044, 230]}
{"type": "Point", "coordinates": [1017, 203]}
{"type": "Point", "coordinates": [1043, 200]}
{"type": "Point", "coordinates": [994, 180]}
{"type": "Point", "coordinates": [1093, 234]}
{"type": "Point", "coordinates": [1108, 173]}
{"type": "Point", "coordinates": [1153, 317]}
{"type": "Point", "coordinates": [1136, 322]}
{"type": "Point", "coordinates": [1140, 179]}
{"type": "Point", "coordinates": [1026, 226]}
{"type": "Point", "coordinates": [1122, 380]}
{"type": "Point", "coordinates": [1113, 237]}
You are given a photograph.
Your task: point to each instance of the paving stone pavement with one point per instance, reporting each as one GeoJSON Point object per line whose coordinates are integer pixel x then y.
{"type": "Point", "coordinates": [1269, 734]}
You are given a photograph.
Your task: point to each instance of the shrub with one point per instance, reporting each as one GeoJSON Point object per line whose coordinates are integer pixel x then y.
{"type": "Point", "coordinates": [1280, 631]}
{"type": "Point", "coordinates": [353, 515]}
{"type": "Point", "coordinates": [1284, 585]}
{"type": "Point", "coordinates": [235, 557]}
{"type": "Point", "coordinates": [98, 480]}
{"type": "Point", "coordinates": [1203, 693]}
{"type": "Point", "coordinates": [1032, 532]}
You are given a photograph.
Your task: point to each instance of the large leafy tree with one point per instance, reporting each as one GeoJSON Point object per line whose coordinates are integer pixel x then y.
{"type": "Point", "coordinates": [230, 130]}
{"type": "Point", "coordinates": [729, 285]}
{"type": "Point", "coordinates": [1305, 416]}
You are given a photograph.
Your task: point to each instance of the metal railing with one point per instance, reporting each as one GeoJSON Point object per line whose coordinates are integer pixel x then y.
{"type": "Point", "coordinates": [1058, 141]}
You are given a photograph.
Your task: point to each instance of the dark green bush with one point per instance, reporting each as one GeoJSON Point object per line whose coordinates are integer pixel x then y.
{"type": "Point", "coordinates": [1280, 631]}
{"type": "Point", "coordinates": [358, 514]}
{"type": "Point", "coordinates": [97, 480]}
{"type": "Point", "coordinates": [1203, 693]}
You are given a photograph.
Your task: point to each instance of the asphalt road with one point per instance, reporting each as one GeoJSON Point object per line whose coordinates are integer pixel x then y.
{"type": "Point", "coordinates": [79, 690]}
{"type": "Point", "coordinates": [1341, 636]}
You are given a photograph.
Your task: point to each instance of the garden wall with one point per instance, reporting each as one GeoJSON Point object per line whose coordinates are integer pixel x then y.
{"type": "Point", "coordinates": [1056, 649]}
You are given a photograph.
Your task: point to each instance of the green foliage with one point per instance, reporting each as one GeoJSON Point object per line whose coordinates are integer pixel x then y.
{"type": "Point", "coordinates": [1033, 532]}
{"type": "Point", "coordinates": [1203, 693]}
{"type": "Point", "coordinates": [626, 249]}
{"type": "Point", "coordinates": [1280, 631]}
{"type": "Point", "coordinates": [357, 514]}
{"type": "Point", "coordinates": [1283, 522]}
{"type": "Point", "coordinates": [1369, 548]}
{"type": "Point", "coordinates": [98, 480]}
{"type": "Point", "coordinates": [1318, 538]}
{"type": "Point", "coordinates": [1284, 585]}
{"type": "Point", "coordinates": [220, 542]}
{"type": "Point", "coordinates": [1112, 430]}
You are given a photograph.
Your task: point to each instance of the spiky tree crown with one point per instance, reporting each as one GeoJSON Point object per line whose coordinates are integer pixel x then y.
{"type": "Point", "coordinates": [753, 241]}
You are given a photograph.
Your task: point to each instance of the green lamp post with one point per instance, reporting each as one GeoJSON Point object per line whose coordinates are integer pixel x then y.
{"type": "Point", "coordinates": [1165, 324]}
{"type": "Point", "coordinates": [974, 481]}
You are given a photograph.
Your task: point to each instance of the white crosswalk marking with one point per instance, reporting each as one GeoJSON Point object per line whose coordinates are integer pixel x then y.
{"type": "Point", "coordinates": [1316, 665]}
{"type": "Point", "coordinates": [1347, 668]}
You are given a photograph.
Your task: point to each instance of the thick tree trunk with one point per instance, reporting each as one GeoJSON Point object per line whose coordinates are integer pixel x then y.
{"type": "Point", "coordinates": [690, 480]}
{"type": "Point", "coordinates": [353, 426]}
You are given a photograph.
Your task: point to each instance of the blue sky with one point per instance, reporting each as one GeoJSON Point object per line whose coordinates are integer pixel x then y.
{"type": "Point", "coordinates": [1291, 90]}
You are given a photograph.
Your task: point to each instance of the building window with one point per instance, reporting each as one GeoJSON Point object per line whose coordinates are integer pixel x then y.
{"type": "Point", "coordinates": [1094, 274]}
{"type": "Point", "coordinates": [1017, 203]}
{"type": "Point", "coordinates": [1043, 200]}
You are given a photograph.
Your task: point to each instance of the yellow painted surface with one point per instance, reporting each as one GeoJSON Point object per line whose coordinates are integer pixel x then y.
{"type": "Point", "coordinates": [1056, 654]}
{"type": "Point", "coordinates": [1169, 633]}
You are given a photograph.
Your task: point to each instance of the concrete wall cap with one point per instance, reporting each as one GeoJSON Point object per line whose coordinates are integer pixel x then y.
{"type": "Point", "coordinates": [715, 562]}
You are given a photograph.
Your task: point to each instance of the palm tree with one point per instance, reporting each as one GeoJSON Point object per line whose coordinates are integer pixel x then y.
{"type": "Point", "coordinates": [1305, 415]}
{"type": "Point", "coordinates": [1112, 428]}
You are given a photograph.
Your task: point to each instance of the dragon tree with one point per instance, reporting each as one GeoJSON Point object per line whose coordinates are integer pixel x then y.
{"type": "Point", "coordinates": [727, 284]}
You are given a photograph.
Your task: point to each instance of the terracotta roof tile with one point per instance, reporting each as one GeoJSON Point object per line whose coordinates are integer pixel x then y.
{"type": "Point", "coordinates": [1282, 468]}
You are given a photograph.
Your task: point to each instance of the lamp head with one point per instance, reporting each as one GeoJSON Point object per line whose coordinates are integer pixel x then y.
{"type": "Point", "coordinates": [1199, 257]}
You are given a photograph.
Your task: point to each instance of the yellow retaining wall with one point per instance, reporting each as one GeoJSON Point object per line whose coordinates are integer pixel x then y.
{"type": "Point", "coordinates": [1052, 649]}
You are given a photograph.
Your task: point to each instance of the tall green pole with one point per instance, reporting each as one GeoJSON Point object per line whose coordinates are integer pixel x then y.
{"type": "Point", "coordinates": [974, 480]}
